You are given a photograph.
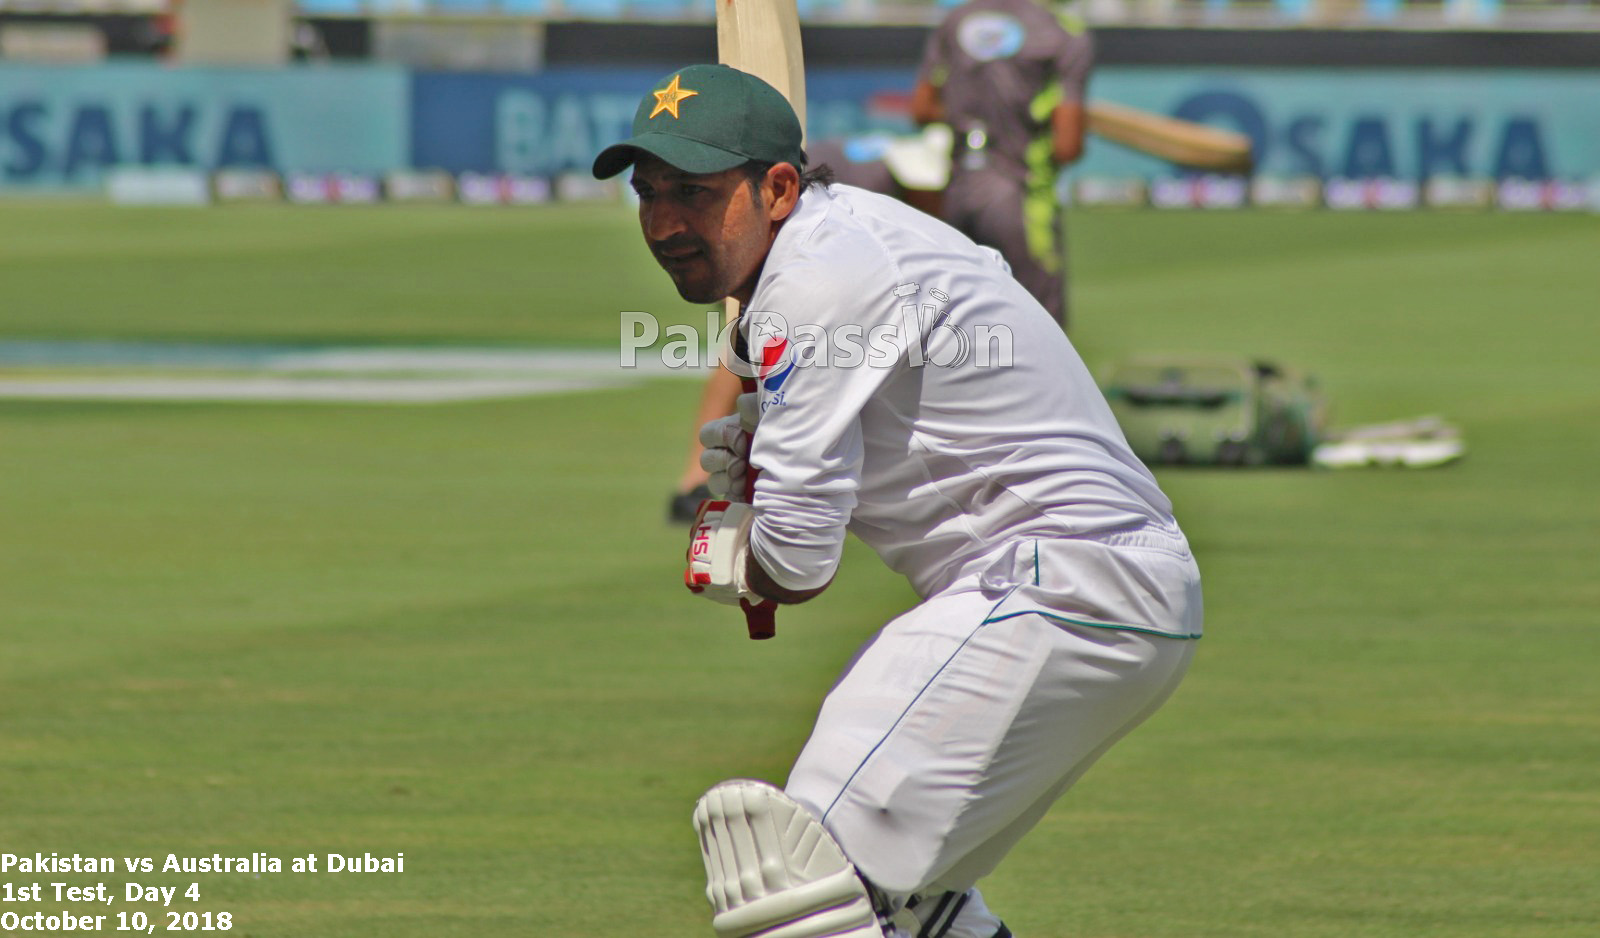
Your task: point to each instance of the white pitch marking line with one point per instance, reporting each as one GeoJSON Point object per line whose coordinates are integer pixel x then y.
{"type": "Point", "coordinates": [341, 374]}
{"type": "Point", "coordinates": [337, 390]}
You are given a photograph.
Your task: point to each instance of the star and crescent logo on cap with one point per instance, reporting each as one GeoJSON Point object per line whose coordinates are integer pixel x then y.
{"type": "Point", "coordinates": [668, 98]}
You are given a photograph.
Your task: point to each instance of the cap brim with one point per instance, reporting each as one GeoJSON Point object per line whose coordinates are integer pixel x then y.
{"type": "Point", "coordinates": [691, 156]}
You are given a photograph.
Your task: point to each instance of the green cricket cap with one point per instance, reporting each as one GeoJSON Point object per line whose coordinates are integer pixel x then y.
{"type": "Point", "coordinates": [706, 119]}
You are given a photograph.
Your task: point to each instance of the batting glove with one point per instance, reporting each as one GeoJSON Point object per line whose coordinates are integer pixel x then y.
{"type": "Point", "coordinates": [726, 453]}
{"type": "Point", "coordinates": [719, 547]}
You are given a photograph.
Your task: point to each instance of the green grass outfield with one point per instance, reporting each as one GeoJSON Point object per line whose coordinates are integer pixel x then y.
{"type": "Point", "coordinates": [457, 631]}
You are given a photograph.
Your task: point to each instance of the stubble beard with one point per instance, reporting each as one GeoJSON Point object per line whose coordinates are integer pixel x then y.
{"type": "Point", "coordinates": [721, 260]}
{"type": "Point", "coordinates": [715, 287]}
{"type": "Point", "coordinates": [692, 294]}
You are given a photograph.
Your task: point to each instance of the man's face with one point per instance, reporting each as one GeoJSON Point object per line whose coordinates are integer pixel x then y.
{"type": "Point", "coordinates": [709, 232]}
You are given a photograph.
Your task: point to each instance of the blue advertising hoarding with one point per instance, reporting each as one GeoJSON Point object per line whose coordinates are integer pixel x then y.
{"type": "Point", "coordinates": [1319, 122]}
{"type": "Point", "coordinates": [1409, 124]}
{"type": "Point", "coordinates": [62, 126]}
{"type": "Point", "coordinates": [557, 120]}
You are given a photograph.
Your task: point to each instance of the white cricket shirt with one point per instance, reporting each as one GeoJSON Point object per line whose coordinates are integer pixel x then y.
{"type": "Point", "coordinates": [873, 421]}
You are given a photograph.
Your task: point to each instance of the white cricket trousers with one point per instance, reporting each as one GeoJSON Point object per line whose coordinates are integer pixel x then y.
{"type": "Point", "coordinates": [948, 737]}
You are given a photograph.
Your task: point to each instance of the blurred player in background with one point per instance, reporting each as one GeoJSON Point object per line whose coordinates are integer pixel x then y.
{"type": "Point", "coordinates": [913, 169]}
{"type": "Point", "coordinates": [1059, 598]}
{"type": "Point", "coordinates": [1009, 77]}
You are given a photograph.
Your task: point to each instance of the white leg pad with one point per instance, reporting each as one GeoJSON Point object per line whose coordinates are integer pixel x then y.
{"type": "Point", "coordinates": [772, 870]}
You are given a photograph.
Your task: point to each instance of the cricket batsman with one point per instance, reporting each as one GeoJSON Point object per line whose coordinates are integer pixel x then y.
{"type": "Point", "coordinates": [1059, 599]}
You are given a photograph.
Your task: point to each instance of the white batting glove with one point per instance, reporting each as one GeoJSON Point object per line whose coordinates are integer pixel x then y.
{"type": "Point", "coordinates": [726, 453]}
{"type": "Point", "coordinates": [719, 547]}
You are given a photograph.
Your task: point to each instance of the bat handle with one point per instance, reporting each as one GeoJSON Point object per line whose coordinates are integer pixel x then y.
{"type": "Point", "coordinates": [760, 619]}
{"type": "Point", "coordinates": [749, 386]}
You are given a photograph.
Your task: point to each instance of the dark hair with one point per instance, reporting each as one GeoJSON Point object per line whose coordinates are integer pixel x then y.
{"type": "Point", "coordinates": [820, 175]}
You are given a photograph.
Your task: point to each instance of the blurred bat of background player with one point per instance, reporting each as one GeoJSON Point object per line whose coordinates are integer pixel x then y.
{"type": "Point", "coordinates": [1185, 143]}
{"type": "Point", "coordinates": [761, 37]}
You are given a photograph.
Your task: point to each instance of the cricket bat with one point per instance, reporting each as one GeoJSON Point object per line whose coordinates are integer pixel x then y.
{"type": "Point", "coordinates": [1185, 143]}
{"type": "Point", "coordinates": [762, 37]}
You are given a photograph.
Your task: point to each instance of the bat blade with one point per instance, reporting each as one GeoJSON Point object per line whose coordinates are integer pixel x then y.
{"type": "Point", "coordinates": [1185, 143]}
{"type": "Point", "coordinates": [762, 37]}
